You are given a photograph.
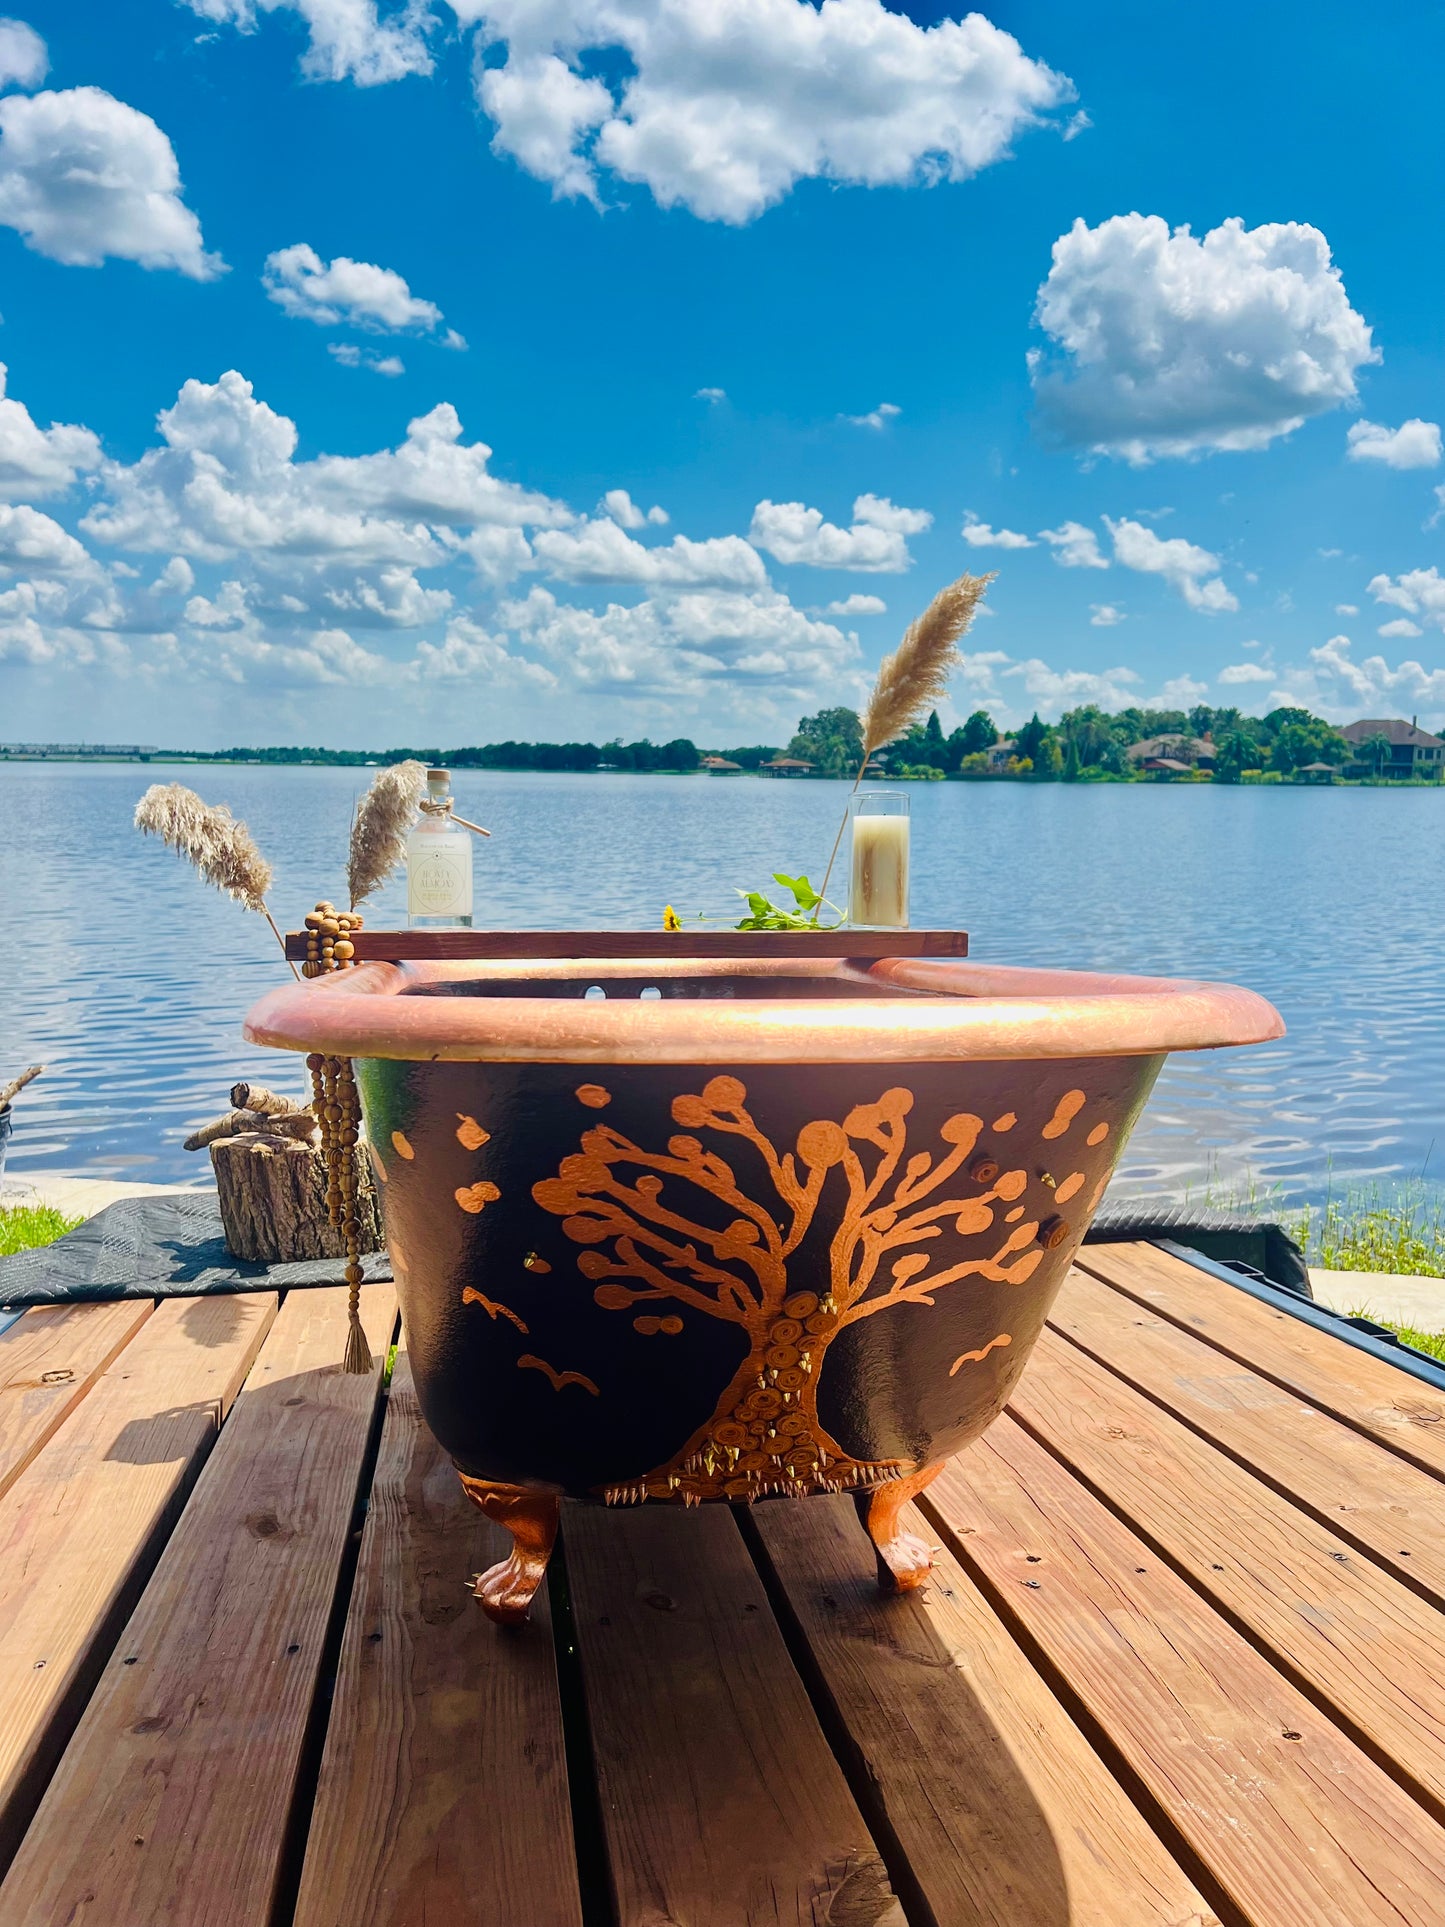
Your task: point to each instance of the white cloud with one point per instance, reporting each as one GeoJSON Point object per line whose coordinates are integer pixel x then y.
{"type": "Point", "coordinates": [600, 551]}
{"type": "Point", "coordinates": [471, 653]}
{"type": "Point", "coordinates": [349, 41]}
{"type": "Point", "coordinates": [1105, 615]}
{"type": "Point", "coordinates": [30, 540]}
{"type": "Point", "coordinates": [1245, 672]}
{"type": "Point", "coordinates": [878, 417]}
{"type": "Point", "coordinates": [1414, 444]}
{"type": "Point", "coordinates": [857, 605]}
{"type": "Point", "coordinates": [979, 535]}
{"type": "Point", "coordinates": [1165, 344]}
{"type": "Point", "coordinates": [1372, 687]}
{"type": "Point", "coordinates": [710, 394]}
{"type": "Point", "coordinates": [1419, 593]}
{"type": "Point", "coordinates": [1347, 609]}
{"type": "Point", "coordinates": [1074, 546]}
{"type": "Point", "coordinates": [627, 515]}
{"type": "Point", "coordinates": [40, 461]}
{"type": "Point", "coordinates": [1401, 626]}
{"type": "Point", "coordinates": [687, 644]}
{"type": "Point", "coordinates": [876, 543]}
{"type": "Point", "coordinates": [354, 293]}
{"type": "Point", "coordinates": [722, 113]}
{"type": "Point", "coordinates": [1184, 566]}
{"type": "Point", "coordinates": [24, 61]}
{"type": "Point", "coordinates": [85, 178]}
{"type": "Point", "coordinates": [350, 356]}
{"type": "Point", "coordinates": [1054, 690]}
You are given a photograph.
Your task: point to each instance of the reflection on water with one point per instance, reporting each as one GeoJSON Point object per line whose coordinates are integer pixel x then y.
{"type": "Point", "coordinates": [129, 979]}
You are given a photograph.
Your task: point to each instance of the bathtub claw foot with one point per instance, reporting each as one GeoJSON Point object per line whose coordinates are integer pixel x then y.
{"type": "Point", "coordinates": [904, 1560]}
{"type": "Point", "coordinates": [530, 1513]}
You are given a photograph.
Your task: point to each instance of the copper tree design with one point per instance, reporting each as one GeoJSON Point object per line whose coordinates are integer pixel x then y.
{"type": "Point", "coordinates": [623, 1201]}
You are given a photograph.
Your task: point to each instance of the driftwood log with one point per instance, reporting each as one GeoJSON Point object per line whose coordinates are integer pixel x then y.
{"type": "Point", "coordinates": [272, 1193]}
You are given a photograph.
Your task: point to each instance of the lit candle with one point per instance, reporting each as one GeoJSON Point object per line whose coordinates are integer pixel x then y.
{"type": "Point", "coordinates": [878, 889]}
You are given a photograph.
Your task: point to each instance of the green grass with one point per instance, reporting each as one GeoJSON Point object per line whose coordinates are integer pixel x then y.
{"type": "Point", "coordinates": [1400, 1230]}
{"type": "Point", "coordinates": [24, 1226]}
{"type": "Point", "coordinates": [1431, 1342]}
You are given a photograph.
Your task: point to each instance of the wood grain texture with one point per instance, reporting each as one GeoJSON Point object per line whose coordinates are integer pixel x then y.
{"type": "Point", "coordinates": [443, 1792]}
{"type": "Point", "coordinates": [1369, 1647]}
{"type": "Point", "coordinates": [1297, 1825]}
{"type": "Point", "coordinates": [170, 1804]}
{"type": "Point", "coordinates": [83, 1524]}
{"type": "Point", "coordinates": [721, 1802]}
{"type": "Point", "coordinates": [392, 946]}
{"type": "Point", "coordinates": [48, 1362]}
{"type": "Point", "coordinates": [1378, 1399]}
{"type": "Point", "coordinates": [1380, 1503]}
{"type": "Point", "coordinates": [1003, 1810]}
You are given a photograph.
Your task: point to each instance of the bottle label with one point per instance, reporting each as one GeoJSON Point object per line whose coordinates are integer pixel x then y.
{"type": "Point", "coordinates": [439, 884]}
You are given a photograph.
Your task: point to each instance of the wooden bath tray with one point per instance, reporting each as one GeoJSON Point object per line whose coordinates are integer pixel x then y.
{"type": "Point", "coordinates": [431, 946]}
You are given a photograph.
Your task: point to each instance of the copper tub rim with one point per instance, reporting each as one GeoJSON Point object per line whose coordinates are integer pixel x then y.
{"type": "Point", "coordinates": [930, 1009]}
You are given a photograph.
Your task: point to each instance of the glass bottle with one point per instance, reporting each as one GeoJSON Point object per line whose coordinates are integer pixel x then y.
{"type": "Point", "coordinates": [878, 883]}
{"type": "Point", "coordinates": [438, 863]}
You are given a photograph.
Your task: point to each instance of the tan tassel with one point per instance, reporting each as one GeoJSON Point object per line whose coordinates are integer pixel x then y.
{"type": "Point", "coordinates": [358, 1357]}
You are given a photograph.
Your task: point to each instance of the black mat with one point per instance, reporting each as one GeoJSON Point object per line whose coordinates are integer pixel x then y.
{"type": "Point", "coordinates": [170, 1247]}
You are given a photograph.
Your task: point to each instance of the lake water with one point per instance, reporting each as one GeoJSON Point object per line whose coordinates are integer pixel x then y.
{"type": "Point", "coordinates": [129, 979]}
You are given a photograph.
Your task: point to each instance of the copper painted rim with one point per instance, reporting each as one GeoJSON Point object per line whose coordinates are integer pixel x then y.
{"type": "Point", "coordinates": [935, 1010]}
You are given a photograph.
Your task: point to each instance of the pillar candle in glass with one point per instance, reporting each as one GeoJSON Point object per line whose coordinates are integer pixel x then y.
{"type": "Point", "coordinates": [878, 885]}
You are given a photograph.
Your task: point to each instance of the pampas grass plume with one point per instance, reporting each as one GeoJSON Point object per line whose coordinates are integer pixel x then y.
{"type": "Point", "coordinates": [380, 827]}
{"type": "Point", "coordinates": [914, 679]}
{"type": "Point", "coordinates": [222, 849]}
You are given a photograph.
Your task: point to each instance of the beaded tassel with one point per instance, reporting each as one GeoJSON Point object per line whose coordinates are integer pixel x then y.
{"type": "Point", "coordinates": [338, 1107]}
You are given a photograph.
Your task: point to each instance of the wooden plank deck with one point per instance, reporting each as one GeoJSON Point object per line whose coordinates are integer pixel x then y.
{"type": "Point", "coordinates": [1181, 1662]}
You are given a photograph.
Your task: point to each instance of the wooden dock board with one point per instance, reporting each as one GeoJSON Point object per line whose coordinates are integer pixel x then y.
{"type": "Point", "coordinates": [83, 1525]}
{"type": "Point", "coordinates": [444, 1777]}
{"type": "Point", "coordinates": [1384, 1505]}
{"type": "Point", "coordinates": [55, 1355]}
{"type": "Point", "coordinates": [172, 1798]}
{"type": "Point", "coordinates": [1295, 1823]}
{"type": "Point", "coordinates": [1375, 1398]}
{"type": "Point", "coordinates": [722, 1804]}
{"type": "Point", "coordinates": [999, 1806]}
{"type": "Point", "coordinates": [1179, 1665]}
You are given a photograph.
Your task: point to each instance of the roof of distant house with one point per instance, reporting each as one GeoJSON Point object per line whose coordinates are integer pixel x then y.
{"type": "Point", "coordinates": [719, 763]}
{"type": "Point", "coordinates": [1160, 746]}
{"type": "Point", "coordinates": [1395, 729]}
{"type": "Point", "coordinates": [1316, 769]}
{"type": "Point", "coordinates": [788, 762]}
{"type": "Point", "coordinates": [1168, 762]}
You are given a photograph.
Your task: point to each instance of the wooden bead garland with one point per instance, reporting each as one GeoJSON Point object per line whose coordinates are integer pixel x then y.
{"type": "Point", "coordinates": [337, 1105]}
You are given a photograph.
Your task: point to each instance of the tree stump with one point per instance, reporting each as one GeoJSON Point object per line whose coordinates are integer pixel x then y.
{"type": "Point", "coordinates": [273, 1200]}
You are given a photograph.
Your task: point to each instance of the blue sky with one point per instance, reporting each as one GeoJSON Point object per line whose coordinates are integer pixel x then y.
{"type": "Point", "coordinates": [1140, 308]}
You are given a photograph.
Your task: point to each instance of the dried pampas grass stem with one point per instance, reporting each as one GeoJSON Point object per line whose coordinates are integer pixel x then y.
{"type": "Point", "coordinates": [380, 827]}
{"type": "Point", "coordinates": [207, 835]}
{"type": "Point", "coordinates": [914, 679]}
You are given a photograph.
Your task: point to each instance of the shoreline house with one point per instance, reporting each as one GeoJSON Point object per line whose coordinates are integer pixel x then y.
{"type": "Point", "coordinates": [788, 766]}
{"type": "Point", "coordinates": [1414, 752]}
{"type": "Point", "coordinates": [1168, 756]}
{"type": "Point", "coordinates": [1001, 754]}
{"type": "Point", "coordinates": [720, 766]}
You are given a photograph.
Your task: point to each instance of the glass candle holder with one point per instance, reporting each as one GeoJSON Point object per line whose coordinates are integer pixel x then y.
{"type": "Point", "coordinates": [878, 880]}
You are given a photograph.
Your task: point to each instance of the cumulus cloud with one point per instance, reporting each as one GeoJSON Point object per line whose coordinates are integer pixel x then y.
{"type": "Point", "coordinates": [713, 395]}
{"type": "Point", "coordinates": [1371, 687]}
{"type": "Point", "coordinates": [1414, 444]}
{"type": "Point", "coordinates": [357, 294]}
{"type": "Point", "coordinates": [1074, 546]}
{"type": "Point", "coordinates": [24, 61]}
{"type": "Point", "coordinates": [1245, 672]}
{"type": "Point", "coordinates": [1401, 626]}
{"type": "Point", "coordinates": [722, 112]}
{"type": "Point", "coordinates": [1105, 615]}
{"type": "Point", "coordinates": [876, 543]}
{"type": "Point", "coordinates": [30, 540]}
{"type": "Point", "coordinates": [1165, 344]}
{"type": "Point", "coordinates": [83, 178]}
{"type": "Point", "coordinates": [471, 653]}
{"type": "Point", "coordinates": [1420, 593]}
{"type": "Point", "coordinates": [350, 356]}
{"type": "Point", "coordinates": [1184, 566]}
{"type": "Point", "coordinates": [979, 535]}
{"type": "Point", "coordinates": [878, 417]}
{"type": "Point", "coordinates": [40, 461]}
{"type": "Point", "coordinates": [349, 40]}
{"type": "Point", "coordinates": [625, 512]}
{"type": "Point", "coordinates": [600, 551]}
{"type": "Point", "coordinates": [857, 605]}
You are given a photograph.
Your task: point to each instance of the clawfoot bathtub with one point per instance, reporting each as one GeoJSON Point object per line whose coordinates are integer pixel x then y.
{"type": "Point", "coordinates": [682, 1231]}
